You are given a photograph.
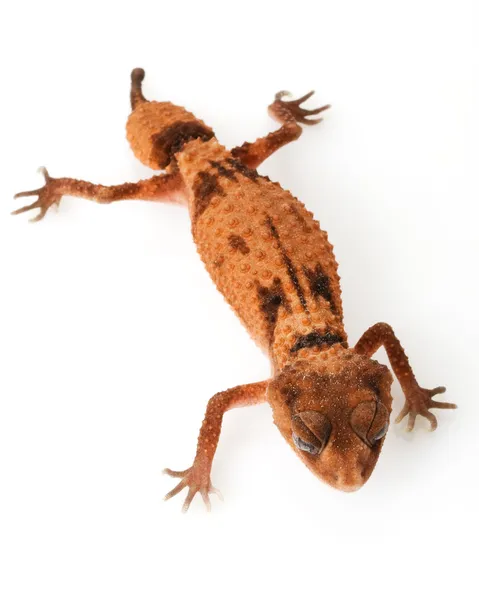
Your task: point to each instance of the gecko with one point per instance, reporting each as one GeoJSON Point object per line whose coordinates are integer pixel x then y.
{"type": "Point", "coordinates": [274, 265]}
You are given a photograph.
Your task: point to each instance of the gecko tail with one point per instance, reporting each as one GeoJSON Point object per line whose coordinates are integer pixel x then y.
{"type": "Point", "coordinates": [136, 94]}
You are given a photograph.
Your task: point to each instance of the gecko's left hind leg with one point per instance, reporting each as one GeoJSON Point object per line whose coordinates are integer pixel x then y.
{"type": "Point", "coordinates": [287, 112]}
{"type": "Point", "coordinates": [160, 188]}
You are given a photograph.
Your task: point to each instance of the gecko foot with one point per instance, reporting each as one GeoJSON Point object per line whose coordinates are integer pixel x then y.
{"type": "Point", "coordinates": [47, 196]}
{"type": "Point", "coordinates": [418, 402]}
{"type": "Point", "coordinates": [284, 111]}
{"type": "Point", "coordinates": [197, 480]}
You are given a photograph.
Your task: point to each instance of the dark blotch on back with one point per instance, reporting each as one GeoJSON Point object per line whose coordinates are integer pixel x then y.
{"type": "Point", "coordinates": [319, 284]}
{"type": "Point", "coordinates": [205, 187]}
{"type": "Point", "coordinates": [315, 339]}
{"type": "Point", "coordinates": [271, 298]}
{"type": "Point", "coordinates": [170, 141]}
{"type": "Point", "coordinates": [243, 169]}
{"type": "Point", "coordinates": [238, 243]}
{"type": "Point", "coordinates": [223, 171]}
{"type": "Point", "coordinates": [289, 264]}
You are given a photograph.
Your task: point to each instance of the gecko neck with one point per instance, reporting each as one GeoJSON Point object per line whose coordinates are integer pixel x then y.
{"type": "Point", "coordinates": [305, 337]}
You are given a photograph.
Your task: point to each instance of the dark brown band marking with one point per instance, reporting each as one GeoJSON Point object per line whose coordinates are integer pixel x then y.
{"type": "Point", "coordinates": [271, 298]}
{"type": "Point", "coordinates": [243, 169]}
{"type": "Point", "coordinates": [315, 339]}
{"type": "Point", "coordinates": [171, 140]}
{"type": "Point", "coordinates": [223, 171]}
{"type": "Point", "coordinates": [238, 243]}
{"type": "Point", "coordinates": [319, 284]}
{"type": "Point", "coordinates": [289, 264]}
{"type": "Point", "coordinates": [205, 187]}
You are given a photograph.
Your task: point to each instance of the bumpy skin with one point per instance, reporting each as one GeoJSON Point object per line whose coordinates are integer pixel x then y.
{"type": "Point", "coordinates": [274, 265]}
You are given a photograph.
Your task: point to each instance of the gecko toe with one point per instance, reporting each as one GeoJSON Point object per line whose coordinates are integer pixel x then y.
{"type": "Point", "coordinates": [411, 421]}
{"type": "Point", "coordinates": [176, 490]}
{"type": "Point", "coordinates": [175, 473]}
{"type": "Point", "coordinates": [436, 404]}
{"type": "Point", "coordinates": [303, 98]}
{"type": "Point", "coordinates": [402, 414]}
{"type": "Point", "coordinates": [432, 420]}
{"type": "Point", "coordinates": [191, 494]}
{"type": "Point", "coordinates": [206, 500]}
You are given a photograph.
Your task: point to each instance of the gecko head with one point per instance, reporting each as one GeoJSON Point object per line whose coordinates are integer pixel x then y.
{"type": "Point", "coordinates": [334, 413]}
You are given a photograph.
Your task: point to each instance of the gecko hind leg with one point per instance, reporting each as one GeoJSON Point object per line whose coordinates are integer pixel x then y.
{"type": "Point", "coordinates": [166, 188]}
{"type": "Point", "coordinates": [287, 112]}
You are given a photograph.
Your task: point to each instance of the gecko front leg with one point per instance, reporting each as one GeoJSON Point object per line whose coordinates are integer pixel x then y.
{"type": "Point", "coordinates": [197, 478]}
{"type": "Point", "coordinates": [289, 114]}
{"type": "Point", "coordinates": [165, 188]}
{"type": "Point", "coordinates": [418, 400]}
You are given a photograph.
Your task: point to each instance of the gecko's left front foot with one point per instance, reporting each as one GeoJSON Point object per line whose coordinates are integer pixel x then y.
{"type": "Point", "coordinates": [288, 110]}
{"type": "Point", "coordinates": [418, 402]}
{"type": "Point", "coordinates": [197, 480]}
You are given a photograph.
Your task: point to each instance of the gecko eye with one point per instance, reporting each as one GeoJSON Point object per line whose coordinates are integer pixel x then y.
{"type": "Point", "coordinates": [311, 431]}
{"type": "Point", "coordinates": [370, 421]}
{"type": "Point", "coordinates": [306, 446]}
{"type": "Point", "coordinates": [381, 433]}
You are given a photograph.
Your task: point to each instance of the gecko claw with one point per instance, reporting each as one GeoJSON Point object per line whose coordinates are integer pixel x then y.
{"type": "Point", "coordinates": [48, 195]}
{"type": "Point", "coordinates": [280, 95]}
{"type": "Point", "coordinates": [197, 481]}
{"type": "Point", "coordinates": [218, 494]}
{"type": "Point", "coordinates": [418, 402]}
{"type": "Point", "coordinates": [289, 110]}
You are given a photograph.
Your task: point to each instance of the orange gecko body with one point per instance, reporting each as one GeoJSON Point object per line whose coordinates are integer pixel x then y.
{"type": "Point", "coordinates": [274, 265]}
{"type": "Point", "coordinates": [264, 252]}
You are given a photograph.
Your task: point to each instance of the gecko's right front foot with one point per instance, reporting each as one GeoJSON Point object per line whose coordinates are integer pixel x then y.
{"type": "Point", "coordinates": [48, 195]}
{"type": "Point", "coordinates": [197, 480]}
{"type": "Point", "coordinates": [288, 110]}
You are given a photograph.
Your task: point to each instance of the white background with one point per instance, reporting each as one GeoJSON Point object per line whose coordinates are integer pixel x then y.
{"type": "Point", "coordinates": [113, 337]}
